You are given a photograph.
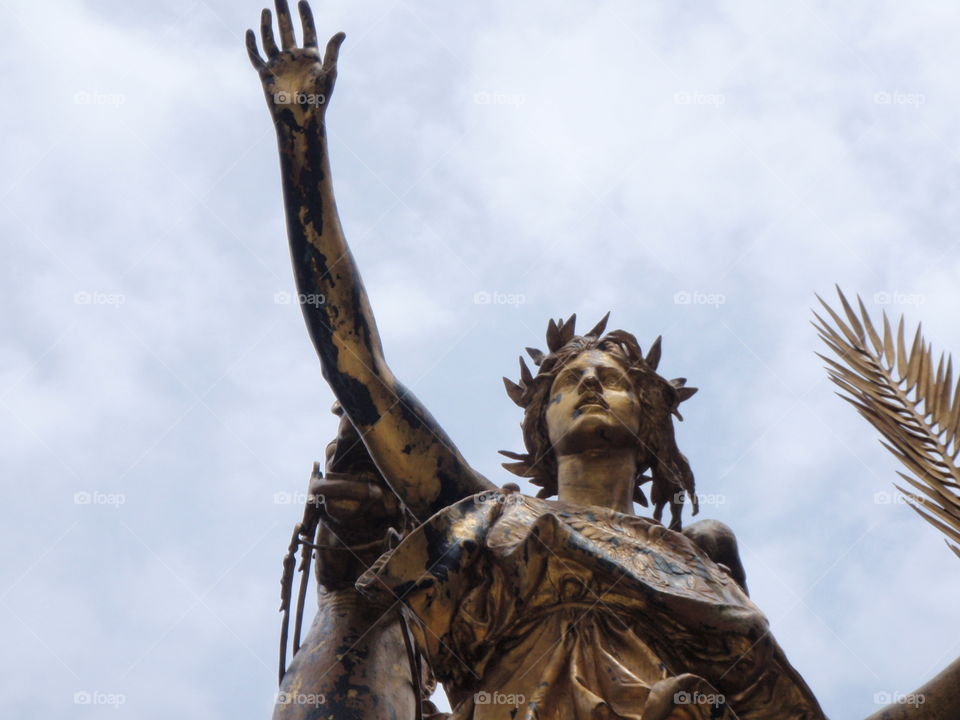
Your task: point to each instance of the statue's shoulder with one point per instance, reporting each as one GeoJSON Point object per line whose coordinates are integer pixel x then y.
{"type": "Point", "coordinates": [719, 542]}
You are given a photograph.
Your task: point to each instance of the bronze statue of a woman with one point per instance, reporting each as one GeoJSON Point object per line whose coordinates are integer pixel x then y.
{"type": "Point", "coordinates": [523, 607]}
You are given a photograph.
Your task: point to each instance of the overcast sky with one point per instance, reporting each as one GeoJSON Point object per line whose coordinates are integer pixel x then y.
{"type": "Point", "coordinates": [700, 169]}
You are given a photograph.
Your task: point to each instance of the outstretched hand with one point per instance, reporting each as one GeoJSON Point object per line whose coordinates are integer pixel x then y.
{"type": "Point", "coordinates": [295, 79]}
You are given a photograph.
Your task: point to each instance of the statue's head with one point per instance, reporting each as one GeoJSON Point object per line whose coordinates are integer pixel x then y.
{"type": "Point", "coordinates": [598, 391]}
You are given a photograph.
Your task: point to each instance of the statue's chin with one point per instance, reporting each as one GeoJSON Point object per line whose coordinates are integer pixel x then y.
{"type": "Point", "coordinates": [596, 430]}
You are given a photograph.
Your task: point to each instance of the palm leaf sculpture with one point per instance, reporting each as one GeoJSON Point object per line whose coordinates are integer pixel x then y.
{"type": "Point", "coordinates": [913, 404]}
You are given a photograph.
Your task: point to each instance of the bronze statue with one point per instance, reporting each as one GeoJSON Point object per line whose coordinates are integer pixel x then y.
{"type": "Point", "coordinates": [523, 607]}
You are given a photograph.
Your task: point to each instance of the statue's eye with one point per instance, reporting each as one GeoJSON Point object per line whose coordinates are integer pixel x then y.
{"type": "Point", "coordinates": [614, 380]}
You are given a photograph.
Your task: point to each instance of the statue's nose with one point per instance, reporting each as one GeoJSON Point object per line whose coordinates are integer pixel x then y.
{"type": "Point", "coordinates": [590, 381]}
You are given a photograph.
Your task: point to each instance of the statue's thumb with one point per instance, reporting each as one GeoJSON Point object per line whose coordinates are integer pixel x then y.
{"type": "Point", "coordinates": [332, 52]}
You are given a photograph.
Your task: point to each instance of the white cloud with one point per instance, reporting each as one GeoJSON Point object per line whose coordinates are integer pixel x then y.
{"type": "Point", "coordinates": [584, 159]}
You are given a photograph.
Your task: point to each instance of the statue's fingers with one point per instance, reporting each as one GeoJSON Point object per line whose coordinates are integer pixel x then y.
{"type": "Point", "coordinates": [266, 34]}
{"type": "Point", "coordinates": [287, 39]}
{"type": "Point", "coordinates": [309, 27]}
{"type": "Point", "coordinates": [346, 490]}
{"type": "Point", "coordinates": [332, 52]}
{"type": "Point", "coordinates": [254, 54]}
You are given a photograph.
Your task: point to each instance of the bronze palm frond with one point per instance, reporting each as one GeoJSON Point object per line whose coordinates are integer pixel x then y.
{"type": "Point", "coordinates": [913, 404]}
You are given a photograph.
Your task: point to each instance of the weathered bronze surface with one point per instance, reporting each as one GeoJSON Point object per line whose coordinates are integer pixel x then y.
{"type": "Point", "coordinates": [523, 607]}
{"type": "Point", "coordinates": [353, 662]}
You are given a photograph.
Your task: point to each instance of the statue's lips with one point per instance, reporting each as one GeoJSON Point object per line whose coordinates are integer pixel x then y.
{"type": "Point", "coordinates": [591, 403]}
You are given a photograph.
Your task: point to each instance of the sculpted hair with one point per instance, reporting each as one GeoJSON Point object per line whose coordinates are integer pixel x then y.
{"type": "Point", "coordinates": [657, 452]}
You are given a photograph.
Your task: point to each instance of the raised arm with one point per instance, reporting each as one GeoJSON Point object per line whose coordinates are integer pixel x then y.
{"type": "Point", "coordinates": [414, 454]}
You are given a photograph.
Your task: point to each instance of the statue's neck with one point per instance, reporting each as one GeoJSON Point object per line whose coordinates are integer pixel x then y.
{"type": "Point", "coordinates": [599, 477]}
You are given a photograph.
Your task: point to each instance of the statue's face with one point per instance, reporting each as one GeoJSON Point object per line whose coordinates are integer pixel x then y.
{"type": "Point", "coordinates": [593, 405]}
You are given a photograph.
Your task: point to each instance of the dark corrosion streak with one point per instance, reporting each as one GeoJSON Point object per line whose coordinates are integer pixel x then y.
{"type": "Point", "coordinates": [303, 204]}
